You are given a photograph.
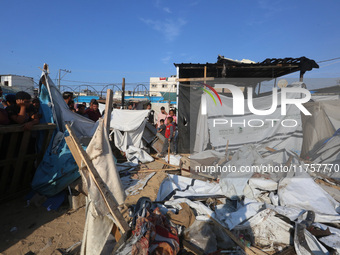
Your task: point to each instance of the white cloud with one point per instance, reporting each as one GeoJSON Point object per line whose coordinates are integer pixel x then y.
{"type": "Point", "coordinates": [170, 28]}
{"type": "Point", "coordinates": [166, 59]}
{"type": "Point", "coordinates": [167, 9]}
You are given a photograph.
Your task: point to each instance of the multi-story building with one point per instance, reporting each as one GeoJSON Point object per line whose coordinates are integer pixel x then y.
{"type": "Point", "coordinates": [18, 82]}
{"type": "Point", "coordinates": [162, 84]}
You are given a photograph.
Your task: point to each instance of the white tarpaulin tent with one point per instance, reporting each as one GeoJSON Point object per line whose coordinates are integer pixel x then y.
{"type": "Point", "coordinates": [272, 133]}
{"type": "Point", "coordinates": [99, 222]}
{"type": "Point", "coordinates": [128, 127]}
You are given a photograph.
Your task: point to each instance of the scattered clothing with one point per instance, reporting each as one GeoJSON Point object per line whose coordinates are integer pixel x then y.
{"type": "Point", "coordinates": [185, 216]}
{"type": "Point", "coordinates": [155, 235]}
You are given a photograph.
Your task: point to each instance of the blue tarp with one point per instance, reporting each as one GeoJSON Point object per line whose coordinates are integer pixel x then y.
{"type": "Point", "coordinates": [58, 168]}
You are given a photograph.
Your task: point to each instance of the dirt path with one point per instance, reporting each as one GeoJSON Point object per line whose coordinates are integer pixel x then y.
{"type": "Point", "coordinates": [34, 229]}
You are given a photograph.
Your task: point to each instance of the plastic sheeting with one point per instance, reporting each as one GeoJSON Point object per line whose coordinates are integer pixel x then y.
{"type": "Point", "coordinates": [58, 168]}
{"type": "Point", "coordinates": [303, 193]}
{"type": "Point", "coordinates": [233, 183]}
{"type": "Point", "coordinates": [321, 125]}
{"type": "Point", "coordinates": [128, 127]}
{"type": "Point", "coordinates": [275, 136]}
{"type": "Point", "coordinates": [99, 222]}
{"type": "Point", "coordinates": [177, 186]}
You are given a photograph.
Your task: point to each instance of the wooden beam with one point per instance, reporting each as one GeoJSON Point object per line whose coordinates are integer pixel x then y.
{"type": "Point", "coordinates": [158, 170]}
{"type": "Point", "coordinates": [107, 196]}
{"type": "Point", "coordinates": [73, 149]}
{"type": "Point", "coordinates": [108, 110]}
{"type": "Point", "coordinates": [247, 250]}
{"type": "Point", "coordinates": [20, 128]}
{"type": "Point", "coordinates": [195, 79]}
{"type": "Point", "coordinates": [123, 93]}
{"type": "Point", "coordinates": [18, 168]}
{"type": "Point", "coordinates": [205, 74]}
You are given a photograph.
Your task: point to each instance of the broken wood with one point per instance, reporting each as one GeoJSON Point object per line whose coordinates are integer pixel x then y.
{"type": "Point", "coordinates": [107, 196]}
{"type": "Point", "coordinates": [164, 163]}
{"type": "Point", "coordinates": [247, 250]}
{"type": "Point", "coordinates": [108, 110]}
{"type": "Point", "coordinates": [320, 181]}
{"type": "Point", "coordinates": [195, 79]}
{"type": "Point", "coordinates": [158, 170]}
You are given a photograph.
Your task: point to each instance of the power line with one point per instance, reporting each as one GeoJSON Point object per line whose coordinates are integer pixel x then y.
{"type": "Point", "coordinates": [328, 60]}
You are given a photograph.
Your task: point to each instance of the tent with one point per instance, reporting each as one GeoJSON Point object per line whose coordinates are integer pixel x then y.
{"type": "Point", "coordinates": [219, 125]}
{"type": "Point", "coordinates": [58, 169]}
{"type": "Point", "coordinates": [321, 125]}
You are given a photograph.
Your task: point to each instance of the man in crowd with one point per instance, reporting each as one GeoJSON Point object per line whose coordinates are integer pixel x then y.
{"type": "Point", "coordinates": [81, 110]}
{"type": "Point", "coordinates": [151, 115]}
{"type": "Point", "coordinates": [23, 112]}
{"type": "Point", "coordinates": [162, 115]}
{"type": "Point", "coordinates": [9, 100]}
{"type": "Point", "coordinates": [93, 112]}
{"type": "Point", "coordinates": [36, 105]}
{"type": "Point", "coordinates": [68, 96]}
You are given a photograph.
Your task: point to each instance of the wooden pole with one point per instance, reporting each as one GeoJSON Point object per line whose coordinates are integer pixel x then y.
{"type": "Point", "coordinates": [107, 196]}
{"type": "Point", "coordinates": [301, 76]}
{"type": "Point", "coordinates": [169, 140]}
{"type": "Point", "coordinates": [205, 74]}
{"type": "Point", "coordinates": [108, 109]}
{"type": "Point", "coordinates": [123, 93]}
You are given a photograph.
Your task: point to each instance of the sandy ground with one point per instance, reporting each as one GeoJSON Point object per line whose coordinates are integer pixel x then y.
{"type": "Point", "coordinates": [27, 230]}
{"type": "Point", "coordinates": [37, 230]}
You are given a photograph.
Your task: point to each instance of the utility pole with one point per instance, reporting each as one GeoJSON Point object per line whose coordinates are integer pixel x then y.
{"type": "Point", "coordinates": [64, 70]}
{"type": "Point", "coordinates": [123, 93]}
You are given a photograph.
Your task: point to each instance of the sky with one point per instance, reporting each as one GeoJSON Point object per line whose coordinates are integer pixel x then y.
{"type": "Point", "coordinates": [103, 41]}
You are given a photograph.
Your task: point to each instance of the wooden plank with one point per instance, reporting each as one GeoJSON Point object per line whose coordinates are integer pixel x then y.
{"type": "Point", "coordinates": [193, 248]}
{"type": "Point", "coordinates": [247, 250]}
{"type": "Point", "coordinates": [19, 128]}
{"type": "Point", "coordinates": [108, 110]}
{"type": "Point", "coordinates": [29, 172]}
{"type": "Point", "coordinates": [164, 163]}
{"type": "Point", "coordinates": [108, 198]}
{"type": "Point", "coordinates": [195, 79]}
{"type": "Point", "coordinates": [73, 149]}
{"type": "Point", "coordinates": [116, 233]}
{"type": "Point", "coordinates": [46, 141]}
{"type": "Point", "coordinates": [319, 181]}
{"type": "Point", "coordinates": [18, 168]}
{"type": "Point", "coordinates": [158, 170]}
{"type": "Point", "coordinates": [10, 155]}
{"type": "Point", "coordinates": [6, 162]}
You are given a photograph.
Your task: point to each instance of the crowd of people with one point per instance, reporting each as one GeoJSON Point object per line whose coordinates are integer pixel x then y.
{"type": "Point", "coordinates": [19, 108]}
{"type": "Point", "coordinates": [92, 112]}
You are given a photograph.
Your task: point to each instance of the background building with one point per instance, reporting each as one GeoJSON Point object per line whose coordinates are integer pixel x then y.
{"type": "Point", "coordinates": [18, 83]}
{"type": "Point", "coordinates": [162, 84]}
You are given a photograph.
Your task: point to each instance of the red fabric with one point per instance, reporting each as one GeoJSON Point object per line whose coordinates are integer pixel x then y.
{"type": "Point", "coordinates": [167, 130]}
{"type": "Point", "coordinates": [159, 235]}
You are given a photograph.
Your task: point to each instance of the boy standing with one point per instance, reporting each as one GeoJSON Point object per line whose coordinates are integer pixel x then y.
{"type": "Point", "coordinates": [161, 128]}
{"type": "Point", "coordinates": [169, 135]}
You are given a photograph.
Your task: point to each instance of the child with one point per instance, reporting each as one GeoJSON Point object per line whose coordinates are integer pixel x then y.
{"type": "Point", "coordinates": [161, 128]}
{"type": "Point", "coordinates": [169, 135]}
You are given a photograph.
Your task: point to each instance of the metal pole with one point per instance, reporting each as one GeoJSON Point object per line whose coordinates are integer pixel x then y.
{"type": "Point", "coordinates": [59, 80]}
{"type": "Point", "coordinates": [123, 93]}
